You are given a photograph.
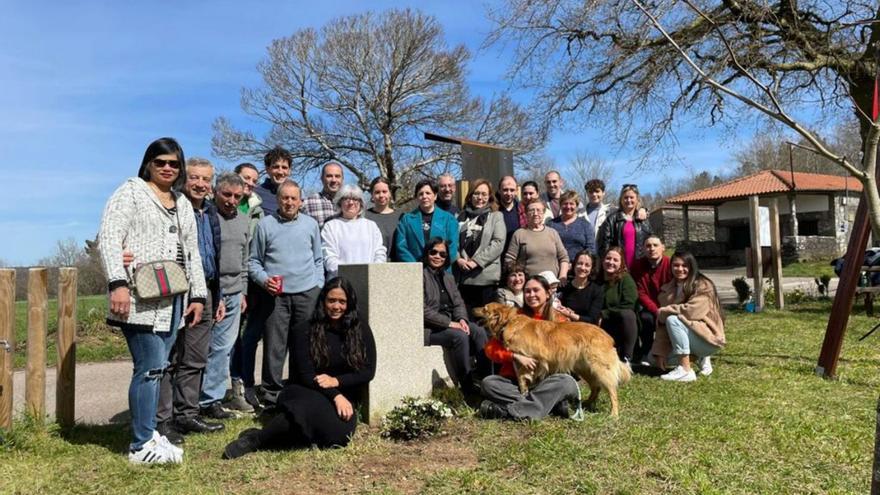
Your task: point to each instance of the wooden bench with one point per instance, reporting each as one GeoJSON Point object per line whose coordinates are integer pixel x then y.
{"type": "Point", "coordinates": [868, 291]}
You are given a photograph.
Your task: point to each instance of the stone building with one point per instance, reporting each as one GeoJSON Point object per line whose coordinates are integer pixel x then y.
{"type": "Point", "coordinates": [816, 213]}
{"type": "Point", "coordinates": [667, 221]}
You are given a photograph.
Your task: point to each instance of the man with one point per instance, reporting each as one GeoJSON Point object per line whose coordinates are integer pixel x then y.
{"type": "Point", "coordinates": [321, 206]}
{"type": "Point", "coordinates": [650, 273]}
{"type": "Point", "coordinates": [446, 194]}
{"type": "Point", "coordinates": [596, 210]}
{"type": "Point", "coordinates": [553, 186]}
{"type": "Point", "coordinates": [178, 411]}
{"type": "Point", "coordinates": [277, 162]}
{"type": "Point", "coordinates": [233, 274]}
{"type": "Point", "coordinates": [286, 262]}
{"type": "Point", "coordinates": [508, 205]}
{"type": "Point", "coordinates": [246, 343]}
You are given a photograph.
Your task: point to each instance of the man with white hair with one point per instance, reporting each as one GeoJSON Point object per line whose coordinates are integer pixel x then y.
{"type": "Point", "coordinates": [446, 194]}
{"type": "Point", "coordinates": [350, 238]}
{"type": "Point", "coordinates": [321, 206]}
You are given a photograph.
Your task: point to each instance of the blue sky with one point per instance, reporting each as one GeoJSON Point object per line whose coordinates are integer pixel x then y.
{"type": "Point", "coordinates": [85, 86]}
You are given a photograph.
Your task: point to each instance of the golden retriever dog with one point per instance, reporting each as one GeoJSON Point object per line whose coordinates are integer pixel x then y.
{"type": "Point", "coordinates": [579, 348]}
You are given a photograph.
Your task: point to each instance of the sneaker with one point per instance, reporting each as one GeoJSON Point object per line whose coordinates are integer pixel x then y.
{"type": "Point", "coordinates": [167, 430]}
{"type": "Point", "coordinates": [176, 452]}
{"type": "Point", "coordinates": [215, 411]}
{"type": "Point", "coordinates": [153, 452]}
{"type": "Point", "coordinates": [235, 400]}
{"type": "Point", "coordinates": [679, 374]}
{"type": "Point", "coordinates": [491, 410]}
{"type": "Point", "coordinates": [706, 366]}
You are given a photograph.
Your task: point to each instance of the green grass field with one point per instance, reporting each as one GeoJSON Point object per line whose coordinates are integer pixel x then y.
{"type": "Point", "coordinates": [95, 340]}
{"type": "Point", "coordinates": [763, 423]}
{"type": "Point", "coordinates": [812, 269]}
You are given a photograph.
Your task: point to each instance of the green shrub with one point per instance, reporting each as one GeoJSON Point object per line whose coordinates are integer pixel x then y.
{"type": "Point", "coordinates": [415, 418]}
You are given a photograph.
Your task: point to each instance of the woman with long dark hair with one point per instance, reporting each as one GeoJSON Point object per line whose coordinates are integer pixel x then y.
{"type": "Point", "coordinates": [383, 214]}
{"type": "Point", "coordinates": [583, 297]}
{"type": "Point", "coordinates": [150, 221]}
{"type": "Point", "coordinates": [335, 357]}
{"type": "Point", "coordinates": [618, 310]}
{"type": "Point", "coordinates": [689, 322]}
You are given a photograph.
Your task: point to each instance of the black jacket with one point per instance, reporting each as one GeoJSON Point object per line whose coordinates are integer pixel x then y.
{"type": "Point", "coordinates": [434, 318]}
{"type": "Point", "coordinates": [611, 234]}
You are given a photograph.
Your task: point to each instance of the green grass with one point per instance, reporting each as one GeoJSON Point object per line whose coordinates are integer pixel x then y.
{"type": "Point", "coordinates": [95, 340]}
{"type": "Point", "coordinates": [811, 269]}
{"type": "Point", "coordinates": [762, 423]}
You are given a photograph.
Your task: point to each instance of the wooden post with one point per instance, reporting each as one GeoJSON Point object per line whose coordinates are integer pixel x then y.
{"type": "Point", "coordinates": [776, 253]}
{"type": "Point", "coordinates": [65, 386]}
{"type": "Point", "coordinates": [461, 191]}
{"type": "Point", "coordinates": [38, 326]}
{"type": "Point", "coordinates": [7, 344]}
{"type": "Point", "coordinates": [757, 266]}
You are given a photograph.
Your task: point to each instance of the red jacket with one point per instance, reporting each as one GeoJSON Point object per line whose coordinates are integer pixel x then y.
{"type": "Point", "coordinates": [650, 279]}
{"type": "Point", "coordinates": [497, 353]}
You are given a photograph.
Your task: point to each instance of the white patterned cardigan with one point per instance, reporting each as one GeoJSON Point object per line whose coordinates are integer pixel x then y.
{"type": "Point", "coordinates": [134, 220]}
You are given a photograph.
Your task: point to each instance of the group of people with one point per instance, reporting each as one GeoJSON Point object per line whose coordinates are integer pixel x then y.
{"type": "Point", "coordinates": [261, 263]}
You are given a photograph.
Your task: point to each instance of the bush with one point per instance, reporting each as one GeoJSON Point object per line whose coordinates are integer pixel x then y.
{"type": "Point", "coordinates": [415, 418]}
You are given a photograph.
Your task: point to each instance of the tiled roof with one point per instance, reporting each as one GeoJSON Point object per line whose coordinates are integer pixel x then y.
{"type": "Point", "coordinates": [768, 182]}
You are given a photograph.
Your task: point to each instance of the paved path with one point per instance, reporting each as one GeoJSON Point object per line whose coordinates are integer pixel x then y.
{"type": "Point", "coordinates": [102, 388]}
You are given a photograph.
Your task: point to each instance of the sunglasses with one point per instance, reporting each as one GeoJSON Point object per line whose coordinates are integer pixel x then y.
{"type": "Point", "coordinates": [631, 187]}
{"type": "Point", "coordinates": [175, 164]}
{"type": "Point", "coordinates": [442, 254]}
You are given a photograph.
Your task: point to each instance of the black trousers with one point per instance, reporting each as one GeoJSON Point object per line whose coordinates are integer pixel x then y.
{"type": "Point", "coordinates": [623, 327]}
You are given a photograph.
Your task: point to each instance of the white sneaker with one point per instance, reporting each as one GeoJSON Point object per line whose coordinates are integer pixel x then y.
{"type": "Point", "coordinates": [162, 440]}
{"type": "Point", "coordinates": [153, 452]}
{"type": "Point", "coordinates": [679, 374]}
{"type": "Point", "coordinates": [706, 368]}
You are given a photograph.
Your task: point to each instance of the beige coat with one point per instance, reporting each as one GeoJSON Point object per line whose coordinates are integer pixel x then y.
{"type": "Point", "coordinates": [701, 313]}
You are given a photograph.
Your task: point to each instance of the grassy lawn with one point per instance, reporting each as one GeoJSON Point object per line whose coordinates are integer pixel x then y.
{"type": "Point", "coordinates": [95, 340]}
{"type": "Point", "coordinates": [811, 269]}
{"type": "Point", "coordinates": [762, 423]}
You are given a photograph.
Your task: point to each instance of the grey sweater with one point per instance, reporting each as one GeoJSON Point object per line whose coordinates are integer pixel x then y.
{"type": "Point", "coordinates": [289, 248]}
{"type": "Point", "coordinates": [235, 237]}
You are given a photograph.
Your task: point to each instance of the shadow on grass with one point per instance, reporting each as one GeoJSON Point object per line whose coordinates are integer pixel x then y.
{"type": "Point", "coordinates": [113, 437]}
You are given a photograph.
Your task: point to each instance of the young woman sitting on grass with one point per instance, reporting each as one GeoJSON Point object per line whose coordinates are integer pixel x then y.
{"type": "Point", "coordinates": [689, 321]}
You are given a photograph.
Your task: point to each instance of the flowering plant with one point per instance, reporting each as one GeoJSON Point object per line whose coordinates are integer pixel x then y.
{"type": "Point", "coordinates": [415, 418]}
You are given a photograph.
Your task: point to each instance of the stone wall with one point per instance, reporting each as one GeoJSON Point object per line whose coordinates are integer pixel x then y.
{"type": "Point", "coordinates": [667, 221]}
{"type": "Point", "coordinates": [810, 248]}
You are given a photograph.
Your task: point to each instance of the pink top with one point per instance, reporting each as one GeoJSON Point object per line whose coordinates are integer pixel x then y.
{"type": "Point", "coordinates": [629, 243]}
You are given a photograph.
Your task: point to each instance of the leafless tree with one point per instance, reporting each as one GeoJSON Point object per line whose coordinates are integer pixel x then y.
{"type": "Point", "coordinates": [362, 90]}
{"type": "Point", "coordinates": [584, 167]}
{"type": "Point", "coordinates": [651, 68]}
{"type": "Point", "coordinates": [770, 148]}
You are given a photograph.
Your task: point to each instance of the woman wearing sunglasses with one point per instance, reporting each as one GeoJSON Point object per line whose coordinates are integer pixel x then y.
{"type": "Point", "coordinates": [149, 219]}
{"type": "Point", "coordinates": [625, 228]}
{"type": "Point", "coordinates": [446, 319]}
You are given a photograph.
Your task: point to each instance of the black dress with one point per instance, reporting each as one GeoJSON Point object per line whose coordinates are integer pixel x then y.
{"type": "Point", "coordinates": [586, 302]}
{"type": "Point", "coordinates": [309, 408]}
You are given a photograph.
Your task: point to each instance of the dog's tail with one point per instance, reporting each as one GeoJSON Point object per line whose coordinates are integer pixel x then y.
{"type": "Point", "coordinates": [624, 372]}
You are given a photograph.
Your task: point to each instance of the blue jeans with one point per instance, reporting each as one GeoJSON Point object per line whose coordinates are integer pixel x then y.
{"type": "Point", "coordinates": [149, 352]}
{"type": "Point", "coordinates": [223, 335]}
{"type": "Point", "coordinates": [684, 341]}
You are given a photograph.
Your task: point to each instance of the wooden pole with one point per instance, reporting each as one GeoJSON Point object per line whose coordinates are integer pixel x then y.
{"type": "Point", "coordinates": [65, 386]}
{"type": "Point", "coordinates": [7, 344]}
{"type": "Point", "coordinates": [757, 266]}
{"type": "Point", "coordinates": [38, 326]}
{"type": "Point", "coordinates": [461, 191]}
{"type": "Point", "coordinates": [776, 253]}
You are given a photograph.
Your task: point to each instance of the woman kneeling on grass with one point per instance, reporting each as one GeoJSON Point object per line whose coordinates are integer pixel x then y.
{"type": "Point", "coordinates": [558, 394]}
{"type": "Point", "coordinates": [335, 358]}
{"type": "Point", "coordinates": [689, 321]}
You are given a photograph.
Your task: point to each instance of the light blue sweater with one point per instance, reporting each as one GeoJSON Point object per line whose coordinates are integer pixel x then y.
{"type": "Point", "coordinates": [290, 248]}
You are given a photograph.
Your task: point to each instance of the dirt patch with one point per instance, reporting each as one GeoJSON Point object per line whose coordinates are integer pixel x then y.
{"type": "Point", "coordinates": [373, 464]}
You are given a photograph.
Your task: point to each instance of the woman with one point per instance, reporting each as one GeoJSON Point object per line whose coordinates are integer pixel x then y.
{"type": "Point", "coordinates": [618, 310]}
{"type": "Point", "coordinates": [335, 357]}
{"type": "Point", "coordinates": [529, 193]}
{"type": "Point", "coordinates": [148, 219]}
{"type": "Point", "coordinates": [575, 232]}
{"type": "Point", "coordinates": [689, 321]}
{"type": "Point", "coordinates": [582, 298]}
{"type": "Point", "coordinates": [350, 238]}
{"type": "Point", "coordinates": [539, 248]}
{"type": "Point", "coordinates": [383, 214]}
{"type": "Point", "coordinates": [558, 393]}
{"type": "Point", "coordinates": [624, 228]}
{"type": "Point", "coordinates": [481, 241]}
{"type": "Point", "coordinates": [423, 223]}
{"type": "Point", "coordinates": [446, 319]}
{"type": "Point", "coordinates": [512, 293]}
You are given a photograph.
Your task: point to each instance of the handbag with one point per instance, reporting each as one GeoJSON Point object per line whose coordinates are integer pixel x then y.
{"type": "Point", "coordinates": [160, 279]}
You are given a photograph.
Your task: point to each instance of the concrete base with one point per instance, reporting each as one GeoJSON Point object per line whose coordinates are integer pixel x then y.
{"type": "Point", "coordinates": [390, 300]}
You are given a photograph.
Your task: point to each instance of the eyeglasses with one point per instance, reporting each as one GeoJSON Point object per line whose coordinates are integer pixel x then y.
{"type": "Point", "coordinates": [159, 163]}
{"type": "Point", "coordinates": [442, 254]}
{"type": "Point", "coordinates": [350, 200]}
{"type": "Point", "coordinates": [631, 187]}
{"type": "Point", "coordinates": [481, 194]}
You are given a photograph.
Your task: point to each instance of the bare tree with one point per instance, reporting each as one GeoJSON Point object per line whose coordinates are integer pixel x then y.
{"type": "Point", "coordinates": [771, 149]}
{"type": "Point", "coordinates": [584, 167]}
{"type": "Point", "coordinates": [362, 91]}
{"type": "Point", "coordinates": [644, 66]}
{"type": "Point", "coordinates": [68, 253]}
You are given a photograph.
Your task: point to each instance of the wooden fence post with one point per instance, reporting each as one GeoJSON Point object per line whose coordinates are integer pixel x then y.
{"type": "Point", "coordinates": [65, 385]}
{"type": "Point", "coordinates": [38, 326]}
{"type": "Point", "coordinates": [776, 254]}
{"type": "Point", "coordinates": [7, 344]}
